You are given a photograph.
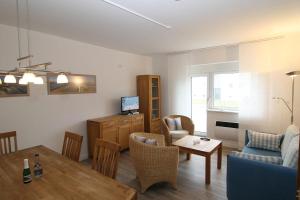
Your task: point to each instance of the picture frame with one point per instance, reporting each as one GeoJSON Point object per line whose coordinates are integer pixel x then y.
{"type": "Point", "coordinates": [13, 89]}
{"type": "Point", "coordinates": [78, 84]}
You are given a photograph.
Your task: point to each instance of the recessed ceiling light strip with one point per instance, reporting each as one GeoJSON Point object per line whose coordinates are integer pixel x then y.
{"type": "Point", "coordinates": [137, 14]}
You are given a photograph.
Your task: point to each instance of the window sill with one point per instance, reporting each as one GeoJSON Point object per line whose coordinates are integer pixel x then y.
{"type": "Point", "coordinates": [223, 111]}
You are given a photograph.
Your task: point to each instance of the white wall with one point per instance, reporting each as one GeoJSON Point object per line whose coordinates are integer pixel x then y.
{"type": "Point", "coordinates": [42, 119]}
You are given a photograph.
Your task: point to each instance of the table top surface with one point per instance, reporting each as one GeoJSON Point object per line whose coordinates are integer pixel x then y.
{"type": "Point", "coordinates": [196, 144]}
{"type": "Point", "coordinates": [62, 179]}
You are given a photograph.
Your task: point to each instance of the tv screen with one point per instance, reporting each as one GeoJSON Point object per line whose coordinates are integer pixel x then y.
{"type": "Point", "coordinates": [129, 103]}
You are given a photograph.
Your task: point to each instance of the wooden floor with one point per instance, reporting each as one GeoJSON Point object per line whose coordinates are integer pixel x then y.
{"type": "Point", "coordinates": [190, 179]}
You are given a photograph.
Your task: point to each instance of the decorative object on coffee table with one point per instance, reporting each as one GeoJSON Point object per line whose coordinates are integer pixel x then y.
{"type": "Point", "coordinates": [77, 84]}
{"type": "Point", "coordinates": [204, 148]}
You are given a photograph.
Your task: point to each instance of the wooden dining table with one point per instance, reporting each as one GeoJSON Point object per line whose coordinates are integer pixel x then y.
{"type": "Point", "coordinates": [62, 179]}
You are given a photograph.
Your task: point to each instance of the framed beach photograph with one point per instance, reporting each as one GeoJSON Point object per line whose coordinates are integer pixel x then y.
{"type": "Point", "coordinates": [12, 89]}
{"type": "Point", "coordinates": [78, 84]}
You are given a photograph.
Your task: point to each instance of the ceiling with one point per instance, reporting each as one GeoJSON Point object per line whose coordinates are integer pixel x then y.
{"type": "Point", "coordinates": [195, 23]}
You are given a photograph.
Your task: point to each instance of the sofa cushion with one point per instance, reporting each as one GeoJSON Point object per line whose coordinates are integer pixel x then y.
{"type": "Point", "coordinates": [151, 141]}
{"type": "Point", "coordinates": [291, 157]}
{"type": "Point", "coordinates": [291, 132]}
{"type": "Point", "coordinates": [140, 138]}
{"type": "Point", "coordinates": [178, 123]}
{"type": "Point", "coordinates": [261, 152]}
{"type": "Point", "coordinates": [177, 134]}
{"type": "Point", "coordinates": [267, 159]}
{"type": "Point", "coordinates": [264, 140]}
{"type": "Point", "coordinates": [171, 123]}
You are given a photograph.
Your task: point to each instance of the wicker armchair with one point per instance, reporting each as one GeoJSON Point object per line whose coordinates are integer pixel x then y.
{"type": "Point", "coordinates": [187, 126]}
{"type": "Point", "coordinates": [153, 164]}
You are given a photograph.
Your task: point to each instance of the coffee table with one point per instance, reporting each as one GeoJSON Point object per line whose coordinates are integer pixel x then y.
{"type": "Point", "coordinates": [189, 145]}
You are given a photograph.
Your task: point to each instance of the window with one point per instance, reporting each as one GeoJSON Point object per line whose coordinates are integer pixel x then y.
{"type": "Point", "coordinates": [225, 91]}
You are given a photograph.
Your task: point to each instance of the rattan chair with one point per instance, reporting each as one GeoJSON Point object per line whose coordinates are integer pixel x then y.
{"type": "Point", "coordinates": [153, 163]}
{"type": "Point", "coordinates": [187, 126]}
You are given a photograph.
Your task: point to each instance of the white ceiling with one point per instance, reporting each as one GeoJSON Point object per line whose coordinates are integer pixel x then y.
{"type": "Point", "coordinates": [195, 23]}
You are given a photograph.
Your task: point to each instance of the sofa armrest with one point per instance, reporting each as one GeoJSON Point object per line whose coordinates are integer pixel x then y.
{"type": "Point", "coordinates": [249, 179]}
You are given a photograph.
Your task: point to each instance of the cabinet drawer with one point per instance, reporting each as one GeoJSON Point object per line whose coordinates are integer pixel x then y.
{"type": "Point", "coordinates": [124, 122]}
{"type": "Point", "coordinates": [108, 124]}
{"type": "Point", "coordinates": [137, 117]}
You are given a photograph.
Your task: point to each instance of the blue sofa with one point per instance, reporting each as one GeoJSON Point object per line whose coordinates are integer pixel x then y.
{"type": "Point", "coordinates": [256, 180]}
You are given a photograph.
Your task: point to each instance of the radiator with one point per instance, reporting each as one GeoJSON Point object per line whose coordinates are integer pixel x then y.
{"type": "Point", "coordinates": [227, 132]}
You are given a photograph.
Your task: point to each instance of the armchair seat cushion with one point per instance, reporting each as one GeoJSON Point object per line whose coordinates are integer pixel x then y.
{"type": "Point", "coordinates": [267, 159]}
{"type": "Point", "coordinates": [260, 152]}
{"type": "Point", "coordinates": [177, 134]}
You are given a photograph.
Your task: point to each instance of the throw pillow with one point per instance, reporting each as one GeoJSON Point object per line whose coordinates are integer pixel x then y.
{"type": "Point", "coordinates": [151, 141]}
{"type": "Point", "coordinates": [264, 140]}
{"type": "Point", "coordinates": [140, 138]}
{"type": "Point", "coordinates": [171, 124]}
{"type": "Point", "coordinates": [267, 159]}
{"type": "Point", "coordinates": [178, 123]}
{"type": "Point", "coordinates": [291, 157]}
{"type": "Point", "coordinates": [291, 132]}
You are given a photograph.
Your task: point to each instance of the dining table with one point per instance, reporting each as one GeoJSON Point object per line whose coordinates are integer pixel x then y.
{"type": "Point", "coordinates": [62, 179]}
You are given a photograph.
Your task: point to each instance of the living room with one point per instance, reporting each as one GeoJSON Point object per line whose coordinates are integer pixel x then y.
{"type": "Point", "coordinates": [221, 67]}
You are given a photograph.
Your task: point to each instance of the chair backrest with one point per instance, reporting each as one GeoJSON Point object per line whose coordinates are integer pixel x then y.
{"type": "Point", "coordinates": [72, 146]}
{"type": "Point", "coordinates": [106, 157]}
{"type": "Point", "coordinates": [6, 146]}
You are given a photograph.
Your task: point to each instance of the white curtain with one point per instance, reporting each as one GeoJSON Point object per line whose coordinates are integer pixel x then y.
{"type": "Point", "coordinates": [263, 66]}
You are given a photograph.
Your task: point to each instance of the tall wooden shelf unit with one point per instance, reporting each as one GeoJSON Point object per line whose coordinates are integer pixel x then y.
{"type": "Point", "coordinates": [149, 91]}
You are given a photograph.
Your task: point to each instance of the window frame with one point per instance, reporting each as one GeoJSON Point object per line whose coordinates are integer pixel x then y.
{"type": "Point", "coordinates": [212, 92]}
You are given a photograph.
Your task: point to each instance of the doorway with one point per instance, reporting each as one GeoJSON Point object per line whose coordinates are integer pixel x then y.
{"type": "Point", "coordinates": [199, 103]}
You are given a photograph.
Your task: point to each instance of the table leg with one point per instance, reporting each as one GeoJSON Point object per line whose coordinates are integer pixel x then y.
{"type": "Point", "coordinates": [188, 156]}
{"type": "Point", "coordinates": [207, 169]}
{"type": "Point", "coordinates": [220, 156]}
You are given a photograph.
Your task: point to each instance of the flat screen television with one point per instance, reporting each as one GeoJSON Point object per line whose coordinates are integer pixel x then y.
{"type": "Point", "coordinates": [129, 104]}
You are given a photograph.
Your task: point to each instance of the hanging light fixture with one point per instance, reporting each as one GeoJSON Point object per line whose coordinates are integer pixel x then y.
{"type": "Point", "coordinates": [62, 78]}
{"type": "Point", "coordinates": [29, 77]}
{"type": "Point", "coordinates": [22, 82]}
{"type": "Point", "coordinates": [9, 78]}
{"type": "Point", "coordinates": [38, 80]}
{"type": "Point", "coordinates": [29, 72]}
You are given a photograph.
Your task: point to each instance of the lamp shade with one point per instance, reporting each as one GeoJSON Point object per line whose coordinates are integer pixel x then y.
{"type": "Point", "coordinates": [62, 78]}
{"type": "Point", "coordinates": [22, 81]}
{"type": "Point", "coordinates": [10, 79]}
{"type": "Point", "coordinates": [38, 80]}
{"type": "Point", "coordinates": [29, 77]}
{"type": "Point", "coordinates": [293, 73]}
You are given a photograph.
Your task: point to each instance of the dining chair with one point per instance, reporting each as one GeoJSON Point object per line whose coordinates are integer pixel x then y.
{"type": "Point", "coordinates": [6, 146]}
{"type": "Point", "coordinates": [106, 157]}
{"type": "Point", "coordinates": [72, 146]}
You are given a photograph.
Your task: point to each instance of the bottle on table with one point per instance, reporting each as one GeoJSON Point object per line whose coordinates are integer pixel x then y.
{"type": "Point", "coordinates": [38, 170]}
{"type": "Point", "coordinates": [26, 172]}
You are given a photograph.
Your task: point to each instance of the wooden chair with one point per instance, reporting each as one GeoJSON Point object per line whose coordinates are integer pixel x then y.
{"type": "Point", "coordinates": [106, 157]}
{"type": "Point", "coordinates": [72, 146]}
{"type": "Point", "coordinates": [6, 143]}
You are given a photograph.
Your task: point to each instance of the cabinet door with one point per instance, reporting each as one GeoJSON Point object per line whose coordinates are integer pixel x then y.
{"type": "Point", "coordinates": [123, 136]}
{"type": "Point", "coordinates": [137, 125]}
{"type": "Point", "coordinates": [155, 126]}
{"type": "Point", "coordinates": [109, 131]}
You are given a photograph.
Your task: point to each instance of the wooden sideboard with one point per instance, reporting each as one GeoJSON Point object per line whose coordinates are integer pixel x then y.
{"type": "Point", "coordinates": [115, 128]}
